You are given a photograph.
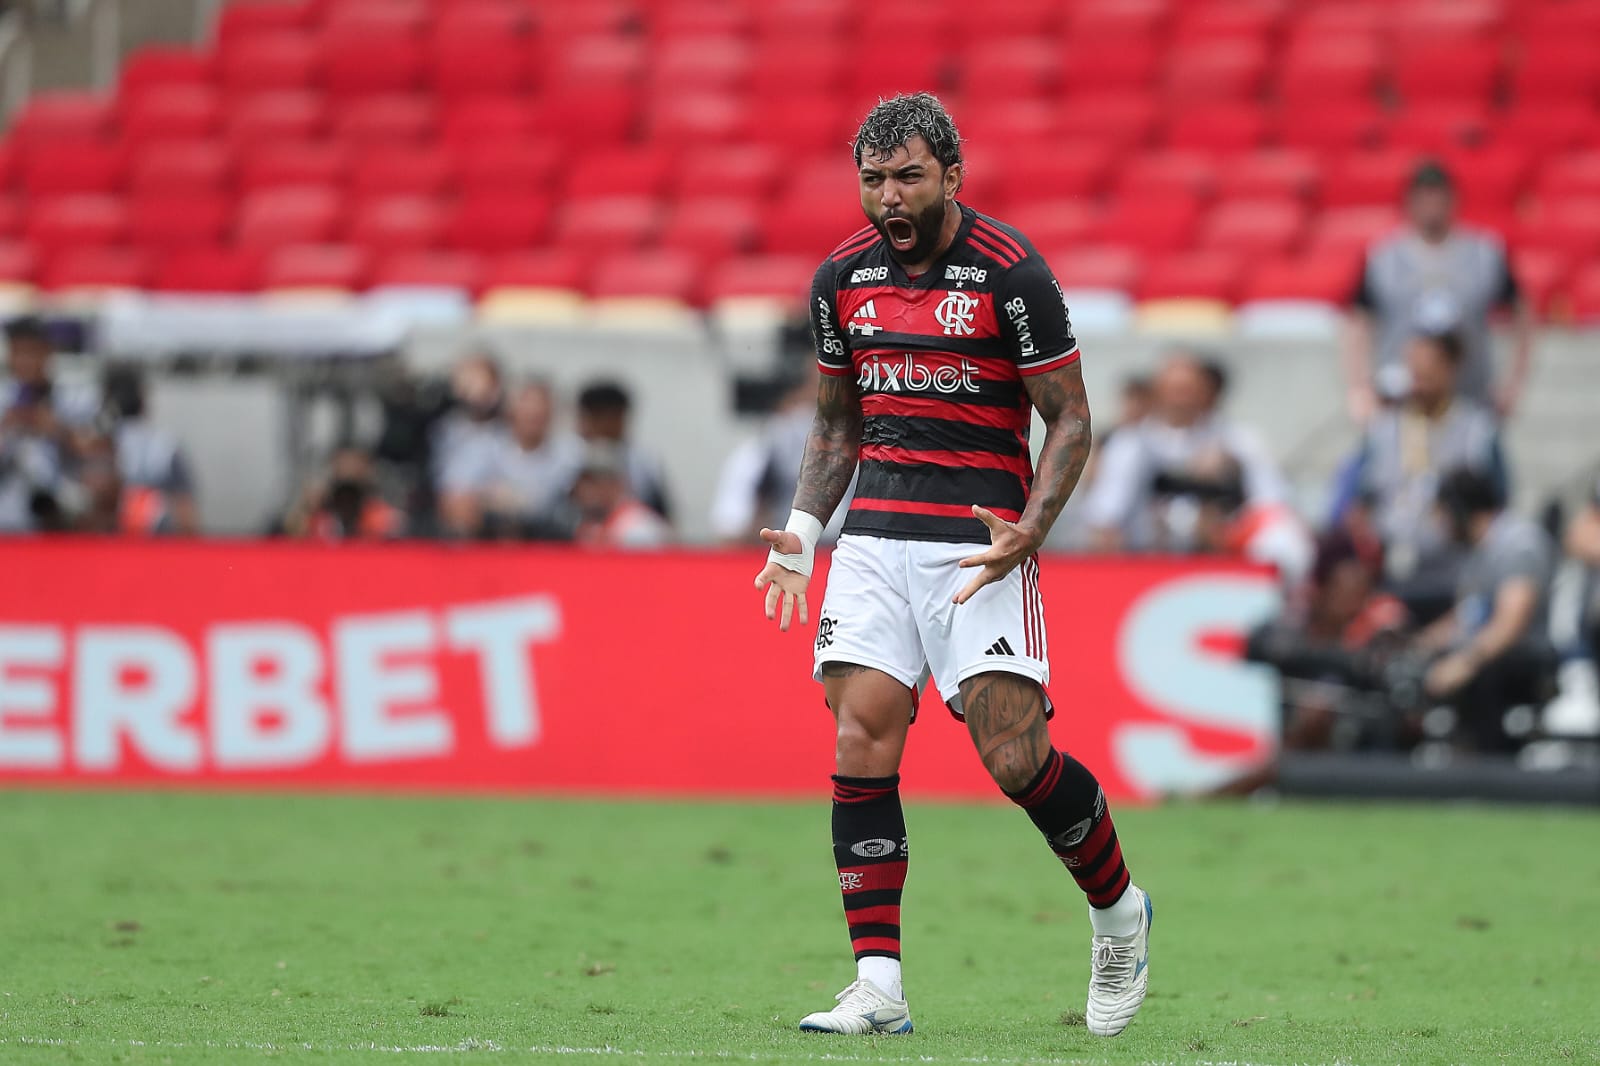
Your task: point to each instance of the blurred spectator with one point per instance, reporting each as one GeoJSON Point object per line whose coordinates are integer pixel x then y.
{"type": "Point", "coordinates": [1497, 653]}
{"type": "Point", "coordinates": [157, 489]}
{"type": "Point", "coordinates": [1405, 451]}
{"type": "Point", "coordinates": [603, 410]}
{"type": "Point", "coordinates": [105, 503]}
{"type": "Point", "coordinates": [758, 479]}
{"type": "Point", "coordinates": [41, 428]}
{"type": "Point", "coordinates": [1583, 544]}
{"type": "Point", "coordinates": [1137, 398]}
{"type": "Point", "coordinates": [1227, 523]}
{"type": "Point", "coordinates": [1435, 276]}
{"type": "Point", "coordinates": [517, 486]}
{"type": "Point", "coordinates": [466, 441]}
{"type": "Point", "coordinates": [344, 504]}
{"type": "Point", "coordinates": [1184, 428]}
{"type": "Point", "coordinates": [608, 514]}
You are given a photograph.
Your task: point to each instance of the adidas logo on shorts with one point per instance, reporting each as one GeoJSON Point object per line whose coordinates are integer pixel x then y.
{"type": "Point", "coordinates": [1000, 647]}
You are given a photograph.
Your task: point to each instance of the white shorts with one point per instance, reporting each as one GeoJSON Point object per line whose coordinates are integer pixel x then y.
{"type": "Point", "coordinates": [889, 606]}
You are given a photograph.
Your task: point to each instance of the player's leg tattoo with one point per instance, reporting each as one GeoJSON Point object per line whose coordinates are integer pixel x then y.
{"type": "Point", "coordinates": [869, 848]}
{"type": "Point", "coordinates": [1005, 718]}
{"type": "Point", "coordinates": [1005, 715]}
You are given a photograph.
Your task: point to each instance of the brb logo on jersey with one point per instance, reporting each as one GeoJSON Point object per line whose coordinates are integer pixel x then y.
{"type": "Point", "coordinates": [955, 313]}
{"type": "Point", "coordinates": [906, 374]}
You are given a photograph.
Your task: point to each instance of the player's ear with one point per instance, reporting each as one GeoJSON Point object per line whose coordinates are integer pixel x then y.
{"type": "Point", "coordinates": [955, 175]}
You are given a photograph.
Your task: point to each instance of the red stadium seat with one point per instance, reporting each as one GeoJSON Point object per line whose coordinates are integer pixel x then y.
{"type": "Point", "coordinates": [1571, 227]}
{"type": "Point", "coordinates": [1569, 21]}
{"type": "Point", "coordinates": [619, 172]}
{"type": "Point", "coordinates": [63, 115]}
{"type": "Point", "coordinates": [1429, 23]}
{"type": "Point", "coordinates": [711, 227]}
{"type": "Point", "coordinates": [599, 115]}
{"type": "Point", "coordinates": [1557, 70]}
{"type": "Point", "coordinates": [1349, 231]}
{"type": "Point", "coordinates": [611, 222]}
{"type": "Point", "coordinates": [465, 62]}
{"type": "Point", "coordinates": [1254, 228]}
{"type": "Point", "coordinates": [112, 267]}
{"type": "Point", "coordinates": [590, 18]}
{"type": "Point", "coordinates": [1056, 223]}
{"type": "Point", "coordinates": [279, 163]}
{"type": "Point", "coordinates": [400, 118]}
{"type": "Point", "coordinates": [76, 220]}
{"type": "Point", "coordinates": [1489, 179]}
{"type": "Point", "coordinates": [810, 223]}
{"type": "Point", "coordinates": [1322, 69]}
{"type": "Point", "coordinates": [1161, 174]}
{"type": "Point", "coordinates": [315, 266]}
{"type": "Point", "coordinates": [1217, 127]}
{"type": "Point", "coordinates": [1275, 173]}
{"type": "Point", "coordinates": [1009, 122]}
{"type": "Point", "coordinates": [1094, 26]}
{"type": "Point", "coordinates": [17, 262]}
{"type": "Point", "coordinates": [386, 20]}
{"type": "Point", "coordinates": [1449, 70]}
{"type": "Point", "coordinates": [700, 17]}
{"type": "Point", "coordinates": [598, 60]}
{"type": "Point", "coordinates": [667, 274]}
{"type": "Point", "coordinates": [275, 116]}
{"type": "Point", "coordinates": [357, 61]}
{"type": "Point", "coordinates": [257, 63]}
{"type": "Point", "coordinates": [1438, 127]}
{"type": "Point", "coordinates": [171, 112]}
{"type": "Point", "coordinates": [1330, 278]}
{"type": "Point", "coordinates": [1549, 127]}
{"type": "Point", "coordinates": [164, 66]}
{"type": "Point", "coordinates": [497, 120]}
{"type": "Point", "coordinates": [431, 268]}
{"type": "Point", "coordinates": [163, 220]}
{"type": "Point", "coordinates": [917, 60]}
{"type": "Point", "coordinates": [72, 166]}
{"type": "Point", "coordinates": [242, 20]}
{"type": "Point", "coordinates": [750, 167]}
{"type": "Point", "coordinates": [482, 18]}
{"type": "Point", "coordinates": [397, 223]}
{"type": "Point", "coordinates": [1585, 295]}
{"type": "Point", "coordinates": [681, 64]}
{"type": "Point", "coordinates": [294, 214]}
{"type": "Point", "coordinates": [1022, 18]}
{"type": "Point", "coordinates": [499, 222]}
{"type": "Point", "coordinates": [1570, 176]}
{"type": "Point", "coordinates": [12, 217]}
{"type": "Point", "coordinates": [1368, 178]}
{"type": "Point", "coordinates": [999, 68]}
{"type": "Point", "coordinates": [1234, 70]}
{"type": "Point", "coordinates": [678, 119]}
{"type": "Point", "coordinates": [1229, 21]}
{"type": "Point", "coordinates": [1540, 274]}
{"type": "Point", "coordinates": [209, 270]}
{"type": "Point", "coordinates": [1128, 65]}
{"type": "Point", "coordinates": [1330, 126]}
{"type": "Point", "coordinates": [541, 269]}
{"type": "Point", "coordinates": [506, 167]}
{"type": "Point", "coordinates": [1089, 266]}
{"type": "Point", "coordinates": [804, 67]}
{"type": "Point", "coordinates": [389, 170]}
{"type": "Point", "coordinates": [1150, 226]}
{"type": "Point", "coordinates": [1119, 120]}
{"type": "Point", "coordinates": [780, 277]}
{"type": "Point", "coordinates": [797, 124]}
{"type": "Point", "coordinates": [1206, 275]}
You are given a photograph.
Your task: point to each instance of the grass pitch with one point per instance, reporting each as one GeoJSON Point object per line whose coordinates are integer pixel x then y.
{"type": "Point", "coordinates": [227, 929]}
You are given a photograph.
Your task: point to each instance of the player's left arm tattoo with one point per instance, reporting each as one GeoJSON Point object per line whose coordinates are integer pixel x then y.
{"type": "Point", "coordinates": [1061, 399]}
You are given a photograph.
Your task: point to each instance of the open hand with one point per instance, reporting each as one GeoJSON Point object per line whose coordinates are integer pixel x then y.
{"type": "Point", "coordinates": [1010, 545]}
{"type": "Point", "coordinates": [783, 585]}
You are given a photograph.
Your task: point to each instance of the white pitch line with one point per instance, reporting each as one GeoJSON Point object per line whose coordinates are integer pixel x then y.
{"type": "Point", "coordinates": [476, 1046]}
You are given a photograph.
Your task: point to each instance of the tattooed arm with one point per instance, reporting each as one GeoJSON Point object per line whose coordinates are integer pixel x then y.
{"type": "Point", "coordinates": [1060, 398]}
{"type": "Point", "coordinates": [831, 450]}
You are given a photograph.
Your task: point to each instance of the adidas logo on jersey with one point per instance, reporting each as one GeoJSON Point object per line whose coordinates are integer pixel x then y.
{"type": "Point", "coordinates": [868, 328]}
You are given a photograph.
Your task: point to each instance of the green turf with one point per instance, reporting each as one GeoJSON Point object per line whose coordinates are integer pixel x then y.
{"type": "Point", "coordinates": [197, 928]}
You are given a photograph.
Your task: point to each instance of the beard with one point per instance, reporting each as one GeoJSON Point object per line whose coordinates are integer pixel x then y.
{"type": "Point", "coordinates": [922, 230]}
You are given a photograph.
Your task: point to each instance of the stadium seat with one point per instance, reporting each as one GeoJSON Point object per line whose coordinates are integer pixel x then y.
{"type": "Point", "coordinates": [73, 166]}
{"type": "Point", "coordinates": [399, 223]}
{"type": "Point", "coordinates": [619, 172]}
{"type": "Point", "coordinates": [1322, 69]}
{"type": "Point", "coordinates": [1253, 228]}
{"type": "Point", "coordinates": [804, 124]}
{"type": "Point", "coordinates": [1009, 69]}
{"type": "Point", "coordinates": [487, 120]}
{"type": "Point", "coordinates": [1118, 120]}
{"type": "Point", "coordinates": [539, 269]}
{"type": "Point", "coordinates": [1540, 274]}
{"type": "Point", "coordinates": [1556, 71]}
{"type": "Point", "coordinates": [1489, 179]}
{"type": "Point", "coordinates": [358, 61]}
{"type": "Point", "coordinates": [268, 61]}
{"type": "Point", "coordinates": [1166, 173]}
{"type": "Point", "coordinates": [391, 19]}
{"type": "Point", "coordinates": [12, 216]}
{"type": "Point", "coordinates": [742, 167]}
{"type": "Point", "coordinates": [1328, 278]}
{"type": "Point", "coordinates": [431, 268]}
{"type": "Point", "coordinates": [1228, 21]}
{"type": "Point", "coordinates": [612, 223]}
{"type": "Point", "coordinates": [1377, 177]}
{"type": "Point", "coordinates": [400, 118]}
{"type": "Point", "coordinates": [171, 112]}
{"type": "Point", "coordinates": [711, 227]}
{"type": "Point", "coordinates": [662, 274]}
{"type": "Point", "coordinates": [249, 20]}
{"type": "Point", "coordinates": [689, 63]}
{"type": "Point", "coordinates": [506, 167]}
{"type": "Point", "coordinates": [1022, 19]}
{"type": "Point", "coordinates": [1206, 275]}
{"type": "Point", "coordinates": [498, 222]}
{"type": "Point", "coordinates": [1274, 173]}
{"type": "Point", "coordinates": [1216, 127]}
{"type": "Point", "coordinates": [1570, 176]}
{"type": "Point", "coordinates": [1184, 317]}
{"type": "Point", "coordinates": [18, 264]}
{"type": "Point", "coordinates": [590, 18]}
{"type": "Point", "coordinates": [164, 66]}
{"type": "Point", "coordinates": [677, 119]}
{"type": "Point", "coordinates": [293, 214]}
{"type": "Point", "coordinates": [1150, 226]}
{"type": "Point", "coordinates": [1347, 231]}
{"type": "Point", "coordinates": [697, 18]}
{"type": "Point", "coordinates": [472, 54]}
{"type": "Point", "coordinates": [805, 67]}
{"type": "Point", "coordinates": [1208, 70]}
{"type": "Point", "coordinates": [315, 266]}
{"type": "Point", "coordinates": [63, 115]}
{"type": "Point", "coordinates": [1449, 69]}
{"type": "Point", "coordinates": [102, 267]}
{"type": "Point", "coordinates": [1434, 128]}
{"type": "Point", "coordinates": [389, 170]}
{"type": "Point", "coordinates": [1568, 21]}
{"type": "Point", "coordinates": [274, 116]}
{"type": "Point", "coordinates": [77, 220]}
{"type": "Point", "coordinates": [811, 223]}
{"type": "Point", "coordinates": [1548, 127]}
{"type": "Point", "coordinates": [209, 270]}
{"type": "Point", "coordinates": [285, 162]}
{"type": "Point", "coordinates": [1053, 223]}
{"type": "Point", "coordinates": [782, 278]}
{"type": "Point", "coordinates": [1329, 127]}
{"type": "Point", "coordinates": [918, 60]}
{"type": "Point", "coordinates": [1094, 27]}
{"type": "Point", "coordinates": [163, 220]}
{"type": "Point", "coordinates": [605, 114]}
{"type": "Point", "coordinates": [1570, 227]}
{"type": "Point", "coordinates": [1087, 266]}
{"type": "Point", "coordinates": [598, 60]}
{"type": "Point", "coordinates": [1584, 295]}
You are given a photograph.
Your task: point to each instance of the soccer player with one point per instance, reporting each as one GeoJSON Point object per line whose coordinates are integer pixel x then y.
{"type": "Point", "coordinates": [938, 331]}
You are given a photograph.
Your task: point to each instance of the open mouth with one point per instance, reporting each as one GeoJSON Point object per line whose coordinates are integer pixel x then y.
{"type": "Point", "coordinates": [902, 234]}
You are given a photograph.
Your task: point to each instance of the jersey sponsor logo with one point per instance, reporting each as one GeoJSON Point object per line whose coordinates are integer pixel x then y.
{"type": "Point", "coordinates": [831, 344]}
{"type": "Point", "coordinates": [909, 374]}
{"type": "Point", "coordinates": [869, 311]}
{"type": "Point", "coordinates": [955, 313]}
{"type": "Point", "coordinates": [869, 274]}
{"type": "Point", "coordinates": [977, 275]}
{"type": "Point", "coordinates": [1017, 312]}
{"type": "Point", "coordinates": [874, 848]}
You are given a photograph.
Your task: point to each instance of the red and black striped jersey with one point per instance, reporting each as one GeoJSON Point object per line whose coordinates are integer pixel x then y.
{"type": "Point", "coordinates": [939, 361]}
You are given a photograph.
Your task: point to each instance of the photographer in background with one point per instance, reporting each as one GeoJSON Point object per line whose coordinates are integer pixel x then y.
{"type": "Point", "coordinates": [1583, 544]}
{"type": "Point", "coordinates": [344, 503]}
{"type": "Point", "coordinates": [42, 431]}
{"type": "Point", "coordinates": [157, 488]}
{"type": "Point", "coordinates": [1497, 653]}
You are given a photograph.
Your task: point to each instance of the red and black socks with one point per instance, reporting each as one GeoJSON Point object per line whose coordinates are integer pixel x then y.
{"type": "Point", "coordinates": [869, 848]}
{"type": "Point", "coordinates": [1066, 803]}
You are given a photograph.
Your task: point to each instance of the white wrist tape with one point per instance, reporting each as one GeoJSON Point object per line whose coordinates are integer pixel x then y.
{"type": "Point", "coordinates": [809, 529]}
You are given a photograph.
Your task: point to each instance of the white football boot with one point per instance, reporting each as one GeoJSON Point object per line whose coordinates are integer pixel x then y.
{"type": "Point", "coordinates": [863, 1008]}
{"type": "Point", "coordinates": [1119, 974]}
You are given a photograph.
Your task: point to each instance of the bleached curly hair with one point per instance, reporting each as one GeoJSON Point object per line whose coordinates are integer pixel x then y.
{"type": "Point", "coordinates": [896, 120]}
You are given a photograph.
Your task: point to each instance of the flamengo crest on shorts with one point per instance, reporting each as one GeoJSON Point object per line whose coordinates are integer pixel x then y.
{"type": "Point", "coordinates": [939, 360]}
